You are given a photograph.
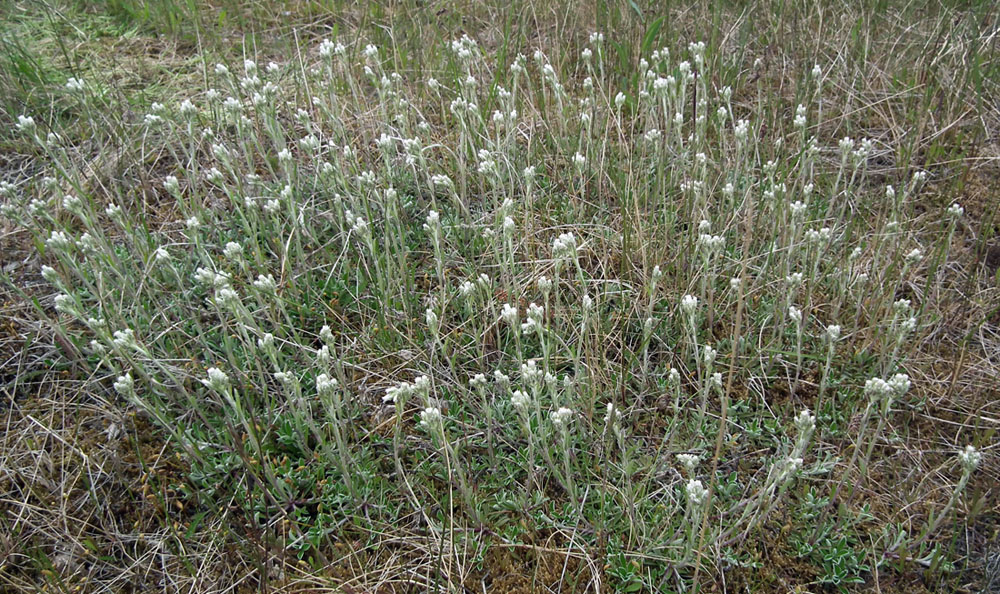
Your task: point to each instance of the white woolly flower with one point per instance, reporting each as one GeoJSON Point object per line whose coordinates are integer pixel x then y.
{"type": "Point", "coordinates": [877, 389]}
{"type": "Point", "coordinates": [226, 297]}
{"type": "Point", "coordinates": [544, 285]}
{"type": "Point", "coordinates": [49, 274]}
{"type": "Point", "coordinates": [25, 124]}
{"type": "Point", "coordinates": [430, 418]}
{"type": "Point", "coordinates": [970, 458]}
{"type": "Point", "coordinates": [561, 417]}
{"type": "Point", "coordinates": [805, 422]}
{"type": "Point", "coordinates": [708, 355]}
{"type": "Point", "coordinates": [689, 461]}
{"type": "Point", "coordinates": [792, 465]}
{"type": "Point", "coordinates": [509, 314]}
{"type": "Point", "coordinates": [899, 384]}
{"type": "Point", "coordinates": [125, 385]}
{"type": "Point", "coordinates": [57, 241]}
{"type": "Point", "coordinates": [397, 393]}
{"type": "Point", "coordinates": [161, 255]}
{"type": "Point", "coordinates": [613, 415]}
{"type": "Point", "coordinates": [832, 333]}
{"type": "Point", "coordinates": [125, 339]}
{"type": "Point", "coordinates": [266, 343]}
{"type": "Point", "coordinates": [422, 385]}
{"type": "Point", "coordinates": [65, 304]}
{"type": "Point", "coordinates": [266, 283]}
{"type": "Point", "coordinates": [535, 314]}
{"type": "Point", "coordinates": [689, 305]}
{"type": "Point", "coordinates": [431, 317]}
{"type": "Point", "coordinates": [520, 400]}
{"type": "Point", "coordinates": [217, 379]}
{"type": "Point", "coordinates": [795, 314]}
{"type": "Point", "coordinates": [325, 385]}
{"type": "Point", "coordinates": [564, 246]}
{"type": "Point", "coordinates": [531, 374]}
{"type": "Point", "coordinates": [696, 493]}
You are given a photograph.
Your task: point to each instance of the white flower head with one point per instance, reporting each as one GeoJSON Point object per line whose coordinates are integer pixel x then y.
{"type": "Point", "coordinates": [689, 305]}
{"type": "Point", "coordinates": [689, 461]}
{"type": "Point", "coordinates": [125, 385]}
{"type": "Point", "coordinates": [325, 385]}
{"type": "Point", "coordinates": [544, 285]}
{"type": "Point", "coordinates": [430, 418]}
{"type": "Point", "coordinates": [422, 385]}
{"type": "Point", "coordinates": [433, 323]}
{"type": "Point", "coordinates": [161, 255]}
{"type": "Point", "coordinates": [561, 417]}
{"type": "Point", "coordinates": [217, 380]}
{"type": "Point", "coordinates": [792, 465]}
{"type": "Point", "coordinates": [125, 339]}
{"type": "Point", "coordinates": [266, 283]}
{"type": "Point", "coordinates": [25, 124]}
{"type": "Point", "coordinates": [970, 458]}
{"type": "Point", "coordinates": [696, 493]}
{"type": "Point", "coordinates": [266, 343]}
{"type": "Point", "coordinates": [899, 384]}
{"type": "Point", "coordinates": [877, 389]}
{"type": "Point", "coordinates": [805, 422]}
{"type": "Point", "coordinates": [509, 314]}
{"type": "Point", "coordinates": [520, 400]}
{"type": "Point", "coordinates": [535, 314]}
{"type": "Point", "coordinates": [708, 355]}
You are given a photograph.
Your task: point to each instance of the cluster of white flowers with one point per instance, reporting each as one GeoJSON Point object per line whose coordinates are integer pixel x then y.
{"type": "Point", "coordinates": [430, 418]}
{"type": "Point", "coordinates": [689, 461]}
{"type": "Point", "coordinates": [689, 306]}
{"type": "Point", "coordinates": [534, 320]}
{"type": "Point", "coordinates": [696, 492]}
{"type": "Point", "coordinates": [217, 380]}
{"type": "Point", "coordinates": [125, 385]}
{"type": "Point", "coordinates": [969, 458]}
{"type": "Point", "coordinates": [398, 393]}
{"type": "Point", "coordinates": [508, 314]}
{"type": "Point", "coordinates": [520, 400]}
{"type": "Point", "coordinates": [531, 375]}
{"type": "Point", "coordinates": [478, 381]}
{"type": "Point", "coordinates": [433, 323]}
{"type": "Point", "coordinates": [325, 385]}
{"type": "Point", "coordinates": [561, 417]}
{"type": "Point", "coordinates": [125, 339]}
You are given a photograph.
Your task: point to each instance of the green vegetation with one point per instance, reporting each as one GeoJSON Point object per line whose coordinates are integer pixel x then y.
{"type": "Point", "coordinates": [614, 298]}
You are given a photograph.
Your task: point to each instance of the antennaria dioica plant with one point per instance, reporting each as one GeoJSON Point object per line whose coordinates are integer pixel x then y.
{"type": "Point", "coordinates": [331, 234]}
